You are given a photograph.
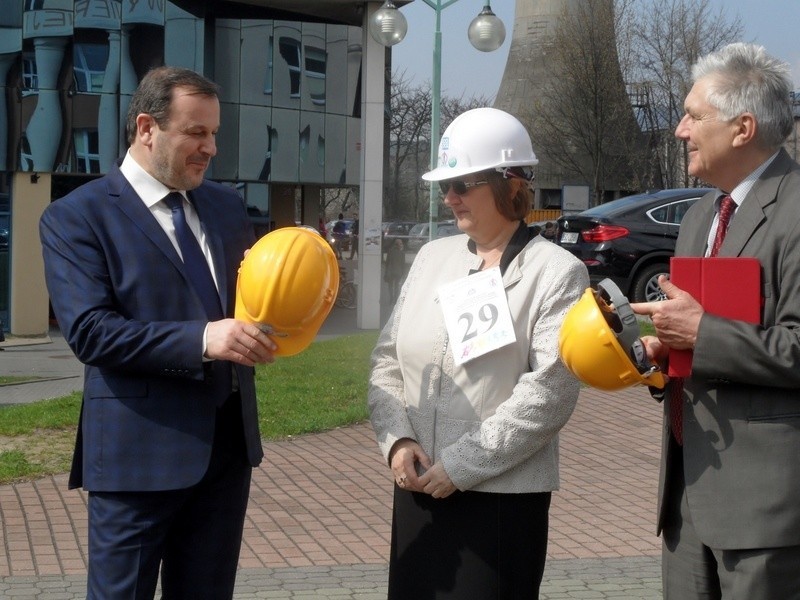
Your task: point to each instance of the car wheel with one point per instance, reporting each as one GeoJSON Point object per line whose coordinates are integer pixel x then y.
{"type": "Point", "coordinates": [645, 286]}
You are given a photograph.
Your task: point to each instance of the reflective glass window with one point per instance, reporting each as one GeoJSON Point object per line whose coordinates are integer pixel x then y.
{"type": "Point", "coordinates": [89, 66]}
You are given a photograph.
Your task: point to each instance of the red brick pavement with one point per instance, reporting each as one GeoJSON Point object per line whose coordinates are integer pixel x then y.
{"type": "Point", "coordinates": [325, 499]}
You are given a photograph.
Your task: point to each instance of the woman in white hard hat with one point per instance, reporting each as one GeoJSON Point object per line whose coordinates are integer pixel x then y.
{"type": "Point", "coordinates": [467, 392]}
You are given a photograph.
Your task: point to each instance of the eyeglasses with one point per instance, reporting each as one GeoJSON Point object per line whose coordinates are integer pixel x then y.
{"type": "Point", "coordinates": [460, 187]}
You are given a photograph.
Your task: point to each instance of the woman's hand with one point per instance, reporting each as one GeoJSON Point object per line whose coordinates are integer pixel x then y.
{"type": "Point", "coordinates": [405, 454]}
{"type": "Point", "coordinates": [436, 482]}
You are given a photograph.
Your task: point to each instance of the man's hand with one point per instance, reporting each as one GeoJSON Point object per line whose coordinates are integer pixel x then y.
{"type": "Point", "coordinates": [405, 455]}
{"type": "Point", "coordinates": [676, 319]}
{"type": "Point", "coordinates": [655, 350]}
{"type": "Point", "coordinates": [240, 342]}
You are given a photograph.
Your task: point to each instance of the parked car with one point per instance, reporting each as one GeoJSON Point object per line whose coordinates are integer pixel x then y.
{"type": "Point", "coordinates": [629, 240]}
{"type": "Point", "coordinates": [446, 230]}
{"type": "Point", "coordinates": [393, 230]}
{"type": "Point", "coordinates": [419, 234]}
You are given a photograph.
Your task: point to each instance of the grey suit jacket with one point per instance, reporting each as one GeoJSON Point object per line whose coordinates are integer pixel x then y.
{"type": "Point", "coordinates": [742, 401]}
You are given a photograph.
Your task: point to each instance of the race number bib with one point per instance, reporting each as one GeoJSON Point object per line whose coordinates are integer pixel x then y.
{"type": "Point", "coordinates": [476, 314]}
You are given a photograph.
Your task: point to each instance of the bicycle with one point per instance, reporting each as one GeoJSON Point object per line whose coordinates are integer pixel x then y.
{"type": "Point", "coordinates": [346, 297]}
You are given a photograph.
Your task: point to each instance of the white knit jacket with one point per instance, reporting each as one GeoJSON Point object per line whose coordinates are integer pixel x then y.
{"type": "Point", "coordinates": [494, 421]}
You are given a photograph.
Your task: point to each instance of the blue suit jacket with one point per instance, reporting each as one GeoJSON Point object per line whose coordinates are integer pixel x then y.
{"type": "Point", "coordinates": [126, 308]}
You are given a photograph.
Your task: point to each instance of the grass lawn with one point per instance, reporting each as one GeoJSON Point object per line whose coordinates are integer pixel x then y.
{"type": "Point", "coordinates": [322, 388]}
{"type": "Point", "coordinates": [319, 389]}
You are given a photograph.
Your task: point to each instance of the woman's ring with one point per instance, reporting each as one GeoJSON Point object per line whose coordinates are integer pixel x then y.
{"type": "Point", "coordinates": [402, 481]}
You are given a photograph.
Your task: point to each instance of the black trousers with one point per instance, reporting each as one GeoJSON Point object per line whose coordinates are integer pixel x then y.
{"type": "Point", "coordinates": [469, 546]}
{"type": "Point", "coordinates": [192, 535]}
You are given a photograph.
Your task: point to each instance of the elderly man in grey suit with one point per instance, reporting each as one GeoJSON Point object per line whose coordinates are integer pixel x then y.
{"type": "Point", "coordinates": [729, 497]}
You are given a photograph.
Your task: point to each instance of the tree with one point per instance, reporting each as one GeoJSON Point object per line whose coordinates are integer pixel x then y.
{"type": "Point", "coordinates": [410, 143]}
{"type": "Point", "coordinates": [338, 200]}
{"type": "Point", "coordinates": [583, 116]}
{"type": "Point", "coordinates": [409, 135]}
{"type": "Point", "coordinates": [667, 37]}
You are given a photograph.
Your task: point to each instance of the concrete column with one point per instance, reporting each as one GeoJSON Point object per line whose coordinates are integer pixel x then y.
{"type": "Point", "coordinates": [44, 128]}
{"type": "Point", "coordinates": [6, 62]}
{"type": "Point", "coordinates": [108, 125]}
{"type": "Point", "coordinates": [368, 312]}
{"type": "Point", "coordinates": [28, 306]}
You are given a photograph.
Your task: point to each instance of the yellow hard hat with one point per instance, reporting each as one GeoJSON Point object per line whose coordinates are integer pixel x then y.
{"type": "Point", "coordinates": [599, 342]}
{"type": "Point", "coordinates": [287, 285]}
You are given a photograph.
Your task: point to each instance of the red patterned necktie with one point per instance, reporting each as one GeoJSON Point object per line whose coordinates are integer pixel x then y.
{"type": "Point", "coordinates": [726, 208]}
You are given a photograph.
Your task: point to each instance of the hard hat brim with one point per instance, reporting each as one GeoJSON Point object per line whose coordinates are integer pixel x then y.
{"type": "Point", "coordinates": [442, 173]}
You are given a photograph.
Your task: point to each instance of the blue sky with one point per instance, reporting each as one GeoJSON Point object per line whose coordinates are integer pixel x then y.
{"type": "Point", "coordinates": [773, 23]}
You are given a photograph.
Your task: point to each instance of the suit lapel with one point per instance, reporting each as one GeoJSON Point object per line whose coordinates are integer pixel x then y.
{"type": "Point", "coordinates": [694, 232]}
{"type": "Point", "coordinates": [751, 213]}
{"type": "Point", "coordinates": [129, 202]}
{"type": "Point", "coordinates": [204, 205]}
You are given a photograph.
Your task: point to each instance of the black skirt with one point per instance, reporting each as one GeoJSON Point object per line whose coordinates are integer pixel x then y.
{"type": "Point", "coordinates": [470, 546]}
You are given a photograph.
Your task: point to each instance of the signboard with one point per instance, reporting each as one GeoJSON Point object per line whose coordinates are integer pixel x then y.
{"type": "Point", "coordinates": [574, 198]}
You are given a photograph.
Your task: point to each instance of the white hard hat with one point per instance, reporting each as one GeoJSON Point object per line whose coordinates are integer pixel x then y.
{"type": "Point", "coordinates": [479, 140]}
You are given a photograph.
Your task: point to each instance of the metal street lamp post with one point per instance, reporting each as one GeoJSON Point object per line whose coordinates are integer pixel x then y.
{"type": "Point", "coordinates": [486, 33]}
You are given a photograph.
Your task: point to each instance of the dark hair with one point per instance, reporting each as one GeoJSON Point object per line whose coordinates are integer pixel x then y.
{"type": "Point", "coordinates": [154, 95]}
{"type": "Point", "coordinates": [512, 208]}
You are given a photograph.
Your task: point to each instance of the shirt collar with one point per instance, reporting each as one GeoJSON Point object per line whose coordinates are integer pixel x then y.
{"type": "Point", "coordinates": [739, 193]}
{"type": "Point", "coordinates": [150, 190]}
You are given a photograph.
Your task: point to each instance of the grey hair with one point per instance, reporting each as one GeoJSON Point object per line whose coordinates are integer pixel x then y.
{"type": "Point", "coordinates": [744, 78]}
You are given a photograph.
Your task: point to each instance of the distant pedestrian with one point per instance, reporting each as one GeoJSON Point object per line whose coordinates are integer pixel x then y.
{"type": "Point", "coordinates": [549, 231]}
{"type": "Point", "coordinates": [339, 233]}
{"type": "Point", "coordinates": [354, 238]}
{"type": "Point", "coordinates": [395, 268]}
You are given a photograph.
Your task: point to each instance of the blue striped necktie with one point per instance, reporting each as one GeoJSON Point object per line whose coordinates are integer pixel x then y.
{"type": "Point", "coordinates": [200, 277]}
{"type": "Point", "coordinates": [194, 260]}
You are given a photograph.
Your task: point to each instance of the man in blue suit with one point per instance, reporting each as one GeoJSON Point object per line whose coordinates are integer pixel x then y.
{"type": "Point", "coordinates": [168, 433]}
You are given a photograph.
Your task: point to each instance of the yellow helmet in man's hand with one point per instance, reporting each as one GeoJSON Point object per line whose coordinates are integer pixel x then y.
{"type": "Point", "coordinates": [287, 285]}
{"type": "Point", "coordinates": [599, 342]}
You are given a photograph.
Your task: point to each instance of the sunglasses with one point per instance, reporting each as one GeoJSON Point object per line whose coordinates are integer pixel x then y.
{"type": "Point", "coordinates": [459, 186]}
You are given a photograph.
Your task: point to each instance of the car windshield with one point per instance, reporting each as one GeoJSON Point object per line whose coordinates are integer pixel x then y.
{"type": "Point", "coordinates": [418, 229]}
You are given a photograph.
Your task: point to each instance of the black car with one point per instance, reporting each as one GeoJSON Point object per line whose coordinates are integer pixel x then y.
{"type": "Point", "coordinates": [629, 240]}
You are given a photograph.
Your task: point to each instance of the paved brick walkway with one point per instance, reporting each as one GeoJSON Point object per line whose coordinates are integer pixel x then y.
{"type": "Point", "coordinates": [320, 511]}
{"type": "Point", "coordinates": [320, 506]}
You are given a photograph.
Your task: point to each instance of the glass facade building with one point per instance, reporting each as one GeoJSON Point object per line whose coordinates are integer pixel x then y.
{"type": "Point", "coordinates": [290, 104]}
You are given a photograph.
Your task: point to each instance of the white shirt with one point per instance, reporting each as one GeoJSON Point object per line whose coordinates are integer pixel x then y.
{"type": "Point", "coordinates": [738, 194]}
{"type": "Point", "coordinates": [152, 193]}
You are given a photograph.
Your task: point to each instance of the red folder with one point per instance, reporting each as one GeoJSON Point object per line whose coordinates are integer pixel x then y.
{"type": "Point", "coordinates": [728, 287]}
